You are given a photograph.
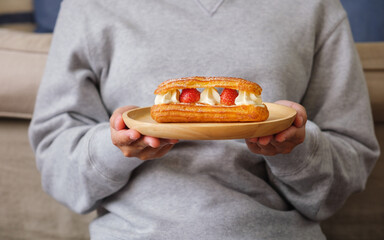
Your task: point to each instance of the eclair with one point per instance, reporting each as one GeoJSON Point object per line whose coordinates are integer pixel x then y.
{"type": "Point", "coordinates": [179, 100]}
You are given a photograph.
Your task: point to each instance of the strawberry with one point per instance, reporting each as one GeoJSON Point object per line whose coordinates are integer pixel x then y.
{"type": "Point", "coordinates": [189, 95]}
{"type": "Point", "coordinates": [228, 96]}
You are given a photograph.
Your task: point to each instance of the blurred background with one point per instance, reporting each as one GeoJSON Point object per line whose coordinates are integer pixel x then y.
{"type": "Point", "coordinates": [366, 16]}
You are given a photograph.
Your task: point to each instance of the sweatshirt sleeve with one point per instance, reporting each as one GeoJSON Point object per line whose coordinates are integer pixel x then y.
{"type": "Point", "coordinates": [70, 131]}
{"type": "Point", "coordinates": [340, 147]}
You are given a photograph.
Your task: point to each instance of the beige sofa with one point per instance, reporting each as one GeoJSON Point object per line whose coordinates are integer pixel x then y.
{"type": "Point", "coordinates": [26, 212]}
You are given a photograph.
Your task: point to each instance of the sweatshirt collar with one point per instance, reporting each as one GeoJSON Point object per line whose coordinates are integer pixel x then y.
{"type": "Point", "coordinates": [209, 6]}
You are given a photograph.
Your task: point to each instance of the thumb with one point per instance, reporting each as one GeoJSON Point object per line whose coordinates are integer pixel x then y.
{"type": "Point", "coordinates": [301, 116]}
{"type": "Point", "coordinates": [116, 120]}
{"type": "Point", "coordinates": [119, 123]}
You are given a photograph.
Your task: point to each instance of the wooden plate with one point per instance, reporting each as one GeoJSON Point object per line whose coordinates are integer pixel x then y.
{"type": "Point", "coordinates": [280, 118]}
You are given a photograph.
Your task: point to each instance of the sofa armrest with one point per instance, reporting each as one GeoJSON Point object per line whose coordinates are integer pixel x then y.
{"type": "Point", "coordinates": [372, 58]}
{"type": "Point", "coordinates": [22, 59]}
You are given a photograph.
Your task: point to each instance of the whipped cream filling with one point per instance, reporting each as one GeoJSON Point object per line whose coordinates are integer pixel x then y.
{"type": "Point", "coordinates": [210, 96]}
{"type": "Point", "coordinates": [246, 98]}
{"type": "Point", "coordinates": [169, 97]}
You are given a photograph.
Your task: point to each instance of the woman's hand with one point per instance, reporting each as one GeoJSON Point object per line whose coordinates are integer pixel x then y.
{"type": "Point", "coordinates": [132, 143]}
{"type": "Point", "coordinates": [285, 141]}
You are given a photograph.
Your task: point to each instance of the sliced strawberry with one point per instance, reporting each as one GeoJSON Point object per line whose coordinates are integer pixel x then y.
{"type": "Point", "coordinates": [228, 96]}
{"type": "Point", "coordinates": [189, 95]}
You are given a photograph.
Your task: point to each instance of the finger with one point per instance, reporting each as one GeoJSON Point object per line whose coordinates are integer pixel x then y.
{"type": "Point", "coordinates": [149, 153]}
{"type": "Point", "coordinates": [119, 123]}
{"type": "Point", "coordinates": [267, 150]}
{"type": "Point", "coordinates": [292, 134]}
{"type": "Point", "coordinates": [118, 113]}
{"type": "Point", "coordinates": [134, 151]}
{"type": "Point", "coordinates": [158, 142]}
{"type": "Point", "coordinates": [152, 141]}
{"type": "Point", "coordinates": [264, 141]}
{"type": "Point", "coordinates": [286, 134]}
{"type": "Point", "coordinates": [300, 119]}
{"type": "Point", "coordinates": [163, 150]}
{"type": "Point", "coordinates": [133, 134]}
{"type": "Point", "coordinates": [172, 141]}
{"type": "Point", "coordinates": [301, 116]}
{"type": "Point", "coordinates": [252, 140]}
{"type": "Point", "coordinates": [284, 147]}
{"type": "Point", "coordinates": [125, 137]}
{"type": "Point", "coordinates": [136, 148]}
{"type": "Point", "coordinates": [253, 146]}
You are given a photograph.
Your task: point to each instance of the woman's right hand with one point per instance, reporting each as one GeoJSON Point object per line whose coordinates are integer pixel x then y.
{"type": "Point", "coordinates": [132, 143]}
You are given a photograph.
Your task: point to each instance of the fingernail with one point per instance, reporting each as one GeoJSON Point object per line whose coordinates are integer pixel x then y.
{"type": "Point", "coordinates": [173, 141]}
{"type": "Point", "coordinates": [301, 121]}
{"type": "Point", "coordinates": [117, 123]}
{"type": "Point", "coordinates": [152, 146]}
{"type": "Point", "coordinates": [131, 136]}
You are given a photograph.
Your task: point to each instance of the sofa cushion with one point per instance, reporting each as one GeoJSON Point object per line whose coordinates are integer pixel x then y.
{"type": "Point", "coordinates": [17, 15]}
{"type": "Point", "coordinates": [46, 12]}
{"type": "Point", "coordinates": [372, 58]}
{"type": "Point", "coordinates": [22, 60]}
{"type": "Point", "coordinates": [12, 6]}
{"type": "Point", "coordinates": [26, 212]}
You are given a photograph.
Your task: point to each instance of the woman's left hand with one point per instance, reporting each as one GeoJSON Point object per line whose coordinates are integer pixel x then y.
{"type": "Point", "coordinates": [285, 141]}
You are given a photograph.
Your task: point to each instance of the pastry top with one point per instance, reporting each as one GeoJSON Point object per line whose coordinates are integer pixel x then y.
{"type": "Point", "coordinates": [206, 82]}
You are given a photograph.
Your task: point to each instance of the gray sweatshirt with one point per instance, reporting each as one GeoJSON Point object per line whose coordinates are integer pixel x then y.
{"type": "Point", "coordinates": [107, 54]}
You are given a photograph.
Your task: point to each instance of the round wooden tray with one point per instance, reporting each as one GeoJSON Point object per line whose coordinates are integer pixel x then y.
{"type": "Point", "coordinates": [280, 118]}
